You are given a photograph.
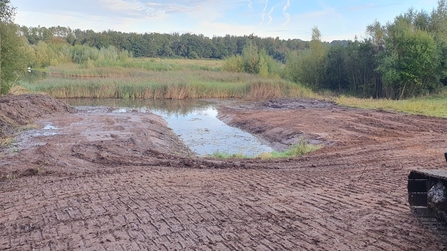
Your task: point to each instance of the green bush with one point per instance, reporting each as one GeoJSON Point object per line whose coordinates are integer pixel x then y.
{"type": "Point", "coordinates": [253, 62]}
{"type": "Point", "coordinates": [233, 64]}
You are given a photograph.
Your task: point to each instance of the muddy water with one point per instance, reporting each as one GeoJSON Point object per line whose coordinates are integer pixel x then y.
{"type": "Point", "coordinates": [195, 122]}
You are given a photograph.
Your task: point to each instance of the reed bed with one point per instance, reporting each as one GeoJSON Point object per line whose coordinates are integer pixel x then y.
{"type": "Point", "coordinates": [171, 88]}
{"type": "Point", "coordinates": [74, 81]}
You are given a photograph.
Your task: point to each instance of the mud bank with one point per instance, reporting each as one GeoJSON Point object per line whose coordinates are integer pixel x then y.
{"type": "Point", "coordinates": [20, 110]}
{"type": "Point", "coordinates": [63, 142]}
{"type": "Point", "coordinates": [284, 133]}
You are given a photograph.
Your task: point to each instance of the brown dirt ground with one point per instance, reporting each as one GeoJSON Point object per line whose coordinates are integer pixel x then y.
{"type": "Point", "coordinates": [123, 181]}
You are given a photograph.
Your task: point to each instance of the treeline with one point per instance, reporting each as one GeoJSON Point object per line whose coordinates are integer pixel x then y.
{"type": "Point", "coordinates": [401, 59]}
{"type": "Point", "coordinates": [163, 45]}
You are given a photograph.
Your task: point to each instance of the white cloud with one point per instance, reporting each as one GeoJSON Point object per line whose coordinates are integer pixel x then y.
{"type": "Point", "coordinates": [250, 4]}
{"type": "Point", "coordinates": [263, 11]}
{"type": "Point", "coordinates": [286, 14]}
{"type": "Point", "coordinates": [270, 15]}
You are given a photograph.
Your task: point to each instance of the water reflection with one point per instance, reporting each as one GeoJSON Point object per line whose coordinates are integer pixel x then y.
{"type": "Point", "coordinates": [194, 121]}
{"type": "Point", "coordinates": [171, 107]}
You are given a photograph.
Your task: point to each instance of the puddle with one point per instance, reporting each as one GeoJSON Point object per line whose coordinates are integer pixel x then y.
{"type": "Point", "coordinates": [45, 134]}
{"type": "Point", "coordinates": [195, 122]}
{"type": "Point", "coordinates": [50, 127]}
{"type": "Point", "coordinates": [33, 137]}
{"type": "Point", "coordinates": [203, 133]}
{"type": "Point", "coordinates": [48, 130]}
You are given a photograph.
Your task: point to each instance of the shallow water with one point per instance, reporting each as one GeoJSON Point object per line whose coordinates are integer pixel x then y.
{"type": "Point", "coordinates": [195, 122]}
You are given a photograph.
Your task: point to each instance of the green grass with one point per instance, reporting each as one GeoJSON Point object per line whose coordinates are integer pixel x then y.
{"type": "Point", "coordinates": [295, 151]}
{"type": "Point", "coordinates": [222, 155]}
{"type": "Point", "coordinates": [433, 105]}
{"type": "Point", "coordinates": [131, 66]}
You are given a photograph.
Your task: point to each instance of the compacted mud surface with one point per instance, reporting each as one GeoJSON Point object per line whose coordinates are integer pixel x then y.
{"type": "Point", "coordinates": [100, 180]}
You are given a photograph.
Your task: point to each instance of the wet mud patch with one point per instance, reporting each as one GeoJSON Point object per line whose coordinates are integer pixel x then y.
{"type": "Point", "coordinates": [89, 140]}
{"type": "Point", "coordinates": [287, 103]}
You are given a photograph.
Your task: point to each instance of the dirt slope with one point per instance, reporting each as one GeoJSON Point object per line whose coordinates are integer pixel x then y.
{"type": "Point", "coordinates": [20, 110]}
{"type": "Point", "coordinates": [104, 180]}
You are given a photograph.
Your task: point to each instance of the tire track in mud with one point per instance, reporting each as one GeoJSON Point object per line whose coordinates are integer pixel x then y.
{"type": "Point", "coordinates": [188, 208]}
{"type": "Point", "coordinates": [374, 146]}
{"type": "Point", "coordinates": [350, 195]}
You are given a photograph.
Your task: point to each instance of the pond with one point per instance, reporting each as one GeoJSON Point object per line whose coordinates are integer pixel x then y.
{"type": "Point", "coordinates": [194, 121]}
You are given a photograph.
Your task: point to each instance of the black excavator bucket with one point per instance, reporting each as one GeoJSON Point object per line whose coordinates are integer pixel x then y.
{"type": "Point", "coordinates": [427, 193]}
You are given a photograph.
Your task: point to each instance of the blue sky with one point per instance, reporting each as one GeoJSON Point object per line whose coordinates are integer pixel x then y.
{"type": "Point", "coordinates": [265, 18]}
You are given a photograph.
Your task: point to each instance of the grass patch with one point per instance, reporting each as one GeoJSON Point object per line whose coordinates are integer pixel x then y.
{"type": "Point", "coordinates": [6, 142]}
{"type": "Point", "coordinates": [222, 155]}
{"type": "Point", "coordinates": [131, 67]}
{"type": "Point", "coordinates": [295, 151]}
{"type": "Point", "coordinates": [433, 105]}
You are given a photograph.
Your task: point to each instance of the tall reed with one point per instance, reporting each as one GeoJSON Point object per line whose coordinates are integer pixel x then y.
{"type": "Point", "coordinates": [171, 89]}
{"type": "Point", "coordinates": [75, 81]}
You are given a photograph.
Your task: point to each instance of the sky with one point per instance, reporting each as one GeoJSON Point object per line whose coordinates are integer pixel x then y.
{"type": "Point", "coordinates": [286, 19]}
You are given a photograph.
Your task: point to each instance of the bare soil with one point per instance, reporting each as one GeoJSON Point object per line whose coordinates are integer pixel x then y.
{"type": "Point", "coordinates": [102, 180]}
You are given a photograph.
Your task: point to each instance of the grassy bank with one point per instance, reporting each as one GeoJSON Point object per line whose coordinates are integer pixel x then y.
{"type": "Point", "coordinates": [434, 105]}
{"type": "Point", "coordinates": [179, 79]}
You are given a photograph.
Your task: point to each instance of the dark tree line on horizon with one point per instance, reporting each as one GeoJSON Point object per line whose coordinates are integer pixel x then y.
{"type": "Point", "coordinates": [163, 45]}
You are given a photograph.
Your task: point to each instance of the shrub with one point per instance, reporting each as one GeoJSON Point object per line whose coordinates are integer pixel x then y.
{"type": "Point", "coordinates": [233, 64]}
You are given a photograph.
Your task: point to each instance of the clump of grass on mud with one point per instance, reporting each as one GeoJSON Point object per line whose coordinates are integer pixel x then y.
{"type": "Point", "coordinates": [223, 155]}
{"type": "Point", "coordinates": [5, 142]}
{"type": "Point", "coordinates": [295, 151]}
{"type": "Point", "coordinates": [434, 105]}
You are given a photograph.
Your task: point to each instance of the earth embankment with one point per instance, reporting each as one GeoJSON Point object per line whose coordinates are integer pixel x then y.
{"type": "Point", "coordinates": [21, 110]}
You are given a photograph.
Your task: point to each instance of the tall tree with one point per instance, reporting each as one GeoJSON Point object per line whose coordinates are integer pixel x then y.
{"type": "Point", "coordinates": [410, 60]}
{"type": "Point", "coordinates": [307, 67]}
{"type": "Point", "coordinates": [12, 55]}
{"type": "Point", "coordinates": [7, 11]}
